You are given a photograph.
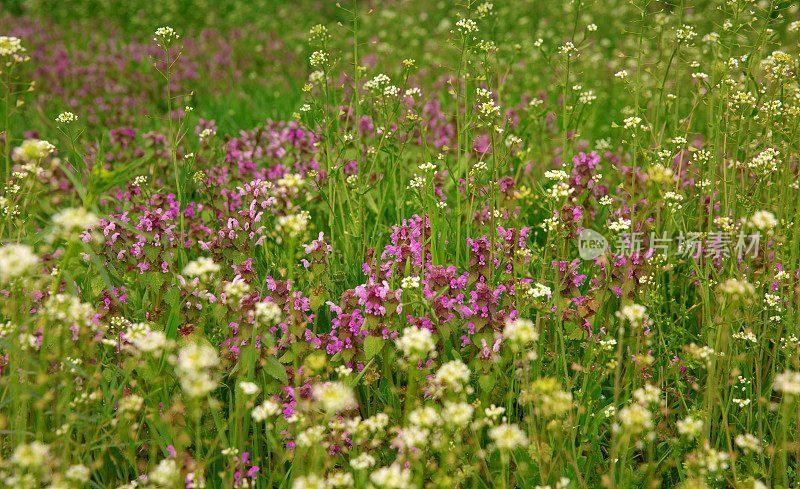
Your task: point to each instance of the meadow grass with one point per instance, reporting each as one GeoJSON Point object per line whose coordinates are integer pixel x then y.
{"type": "Point", "coordinates": [397, 245]}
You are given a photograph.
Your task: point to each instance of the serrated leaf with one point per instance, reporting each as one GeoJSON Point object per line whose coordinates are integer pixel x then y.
{"type": "Point", "coordinates": [486, 382]}
{"type": "Point", "coordinates": [152, 252]}
{"type": "Point", "coordinates": [287, 357]}
{"type": "Point", "coordinates": [373, 345]}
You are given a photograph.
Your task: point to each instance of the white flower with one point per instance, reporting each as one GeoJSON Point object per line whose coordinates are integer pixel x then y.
{"type": "Point", "coordinates": [166, 473]}
{"type": "Point", "coordinates": [631, 122]}
{"type": "Point", "coordinates": [412, 437]}
{"type": "Point", "coordinates": [620, 224]}
{"type": "Point", "coordinates": [235, 290]}
{"type": "Point", "coordinates": [690, 427]}
{"type": "Point", "coordinates": [376, 422]}
{"type": "Point", "coordinates": [508, 436]}
{"type": "Point", "coordinates": [494, 411]}
{"type": "Point", "coordinates": [334, 396]}
{"type": "Point", "coordinates": [32, 151]}
{"type": "Point", "coordinates": [78, 473]}
{"type": "Point", "coordinates": [457, 413]}
{"type": "Point", "coordinates": [294, 224]}
{"type": "Point", "coordinates": [318, 58]}
{"type": "Point", "coordinates": [249, 388]}
{"type": "Point", "coordinates": [410, 282]}
{"type": "Point", "coordinates": [556, 175]}
{"type": "Point", "coordinates": [636, 418]}
{"type": "Point", "coordinates": [75, 219]}
{"type": "Point", "coordinates": [268, 312]}
{"type": "Point", "coordinates": [392, 477]}
{"type": "Point", "coordinates": [150, 342]}
{"type": "Point", "coordinates": [132, 403]}
{"type": "Point", "coordinates": [206, 134]}
{"type": "Point", "coordinates": [454, 374]}
{"type": "Point", "coordinates": [341, 479]}
{"type": "Point", "coordinates": [787, 382]}
{"type": "Point", "coordinates": [66, 118]}
{"type": "Point", "coordinates": [416, 343]}
{"type": "Point", "coordinates": [193, 357]}
{"type": "Point", "coordinates": [201, 266]}
{"type": "Point", "coordinates": [467, 26]}
{"type": "Point", "coordinates": [649, 394]}
{"type": "Point", "coordinates": [197, 384]}
{"type": "Point", "coordinates": [11, 47]}
{"type": "Point", "coordinates": [165, 36]}
{"type": "Point", "coordinates": [737, 288]}
{"type": "Point", "coordinates": [425, 416]}
{"type": "Point", "coordinates": [635, 313]}
{"type": "Point", "coordinates": [363, 461]}
{"type": "Point", "coordinates": [540, 290]}
{"type": "Point", "coordinates": [15, 260]}
{"type": "Point", "coordinates": [30, 454]}
{"type": "Point", "coordinates": [520, 331]}
{"type": "Point", "coordinates": [265, 410]}
{"type": "Point", "coordinates": [310, 436]}
{"type": "Point", "coordinates": [193, 363]}
{"type": "Point", "coordinates": [748, 442]}
{"type": "Point", "coordinates": [763, 220]}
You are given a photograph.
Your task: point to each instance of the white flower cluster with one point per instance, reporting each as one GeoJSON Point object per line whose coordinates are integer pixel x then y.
{"type": "Point", "coordinates": [318, 59]}
{"type": "Point", "coordinates": [508, 436]}
{"type": "Point", "coordinates": [74, 220]}
{"type": "Point", "coordinates": [787, 382]}
{"type": "Point", "coordinates": [737, 288]}
{"type": "Point", "coordinates": [165, 37]}
{"type": "Point", "coordinates": [206, 135]}
{"type": "Point", "coordinates": [453, 374]}
{"type": "Point", "coordinates": [763, 220]}
{"type": "Point", "coordinates": [633, 313]}
{"type": "Point", "coordinates": [32, 151]}
{"type": "Point", "coordinates": [11, 47]}
{"type": "Point", "coordinates": [559, 175]}
{"type": "Point", "coordinates": [416, 343]}
{"type": "Point", "coordinates": [520, 331]}
{"type": "Point", "coordinates": [689, 426]}
{"type": "Point", "coordinates": [265, 410]}
{"type": "Point", "coordinates": [334, 396]}
{"type": "Point", "coordinates": [540, 290]}
{"type": "Point", "coordinates": [411, 282]}
{"type": "Point", "coordinates": [766, 161]}
{"type": "Point", "coordinates": [293, 224]}
{"type": "Point", "coordinates": [66, 118]}
{"type": "Point", "coordinates": [16, 260]}
{"type": "Point", "coordinates": [466, 26]}
{"type": "Point", "coordinates": [685, 34]}
{"type": "Point", "coordinates": [194, 364]}
{"type": "Point", "coordinates": [151, 342]}
{"type": "Point", "coordinates": [559, 190]}
{"type": "Point", "coordinates": [377, 83]}
{"type": "Point", "coordinates": [621, 224]}
{"type": "Point", "coordinates": [201, 267]}
{"type": "Point", "coordinates": [631, 123]}
{"type": "Point", "coordinates": [267, 312]}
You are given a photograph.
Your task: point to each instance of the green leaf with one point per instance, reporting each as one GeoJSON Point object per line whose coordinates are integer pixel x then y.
{"type": "Point", "coordinates": [287, 357]}
{"type": "Point", "coordinates": [373, 345]}
{"type": "Point", "coordinates": [486, 382]}
{"type": "Point", "coordinates": [276, 370]}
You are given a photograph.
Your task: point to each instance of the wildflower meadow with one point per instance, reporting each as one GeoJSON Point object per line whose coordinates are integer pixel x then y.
{"type": "Point", "coordinates": [400, 244]}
